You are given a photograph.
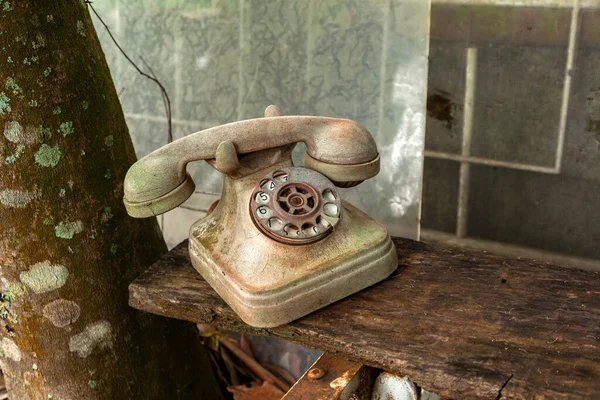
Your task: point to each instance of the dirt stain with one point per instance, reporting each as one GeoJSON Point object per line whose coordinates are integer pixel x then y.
{"type": "Point", "coordinates": [440, 107]}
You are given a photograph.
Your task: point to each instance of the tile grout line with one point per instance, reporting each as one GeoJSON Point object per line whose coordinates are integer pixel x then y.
{"type": "Point", "coordinates": [309, 48]}
{"type": "Point", "coordinates": [465, 166]}
{"type": "Point", "coordinates": [155, 118]}
{"type": "Point", "coordinates": [382, 68]}
{"type": "Point", "coordinates": [564, 109]}
{"type": "Point", "coordinates": [178, 77]}
{"type": "Point", "coordinates": [490, 162]}
{"type": "Point", "coordinates": [241, 62]}
{"type": "Point", "coordinates": [424, 122]}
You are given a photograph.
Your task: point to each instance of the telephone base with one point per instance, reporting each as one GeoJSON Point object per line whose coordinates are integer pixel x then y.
{"type": "Point", "coordinates": [265, 300]}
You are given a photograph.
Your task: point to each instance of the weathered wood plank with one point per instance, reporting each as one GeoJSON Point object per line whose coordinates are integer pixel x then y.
{"type": "Point", "coordinates": [463, 325]}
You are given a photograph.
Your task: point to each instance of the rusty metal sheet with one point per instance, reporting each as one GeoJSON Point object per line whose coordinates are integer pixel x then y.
{"type": "Point", "coordinates": [334, 378]}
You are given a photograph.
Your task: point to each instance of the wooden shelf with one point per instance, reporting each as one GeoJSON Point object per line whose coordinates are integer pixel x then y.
{"type": "Point", "coordinates": [460, 324]}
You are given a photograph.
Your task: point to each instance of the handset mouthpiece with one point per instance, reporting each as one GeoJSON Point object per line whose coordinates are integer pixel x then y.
{"type": "Point", "coordinates": [162, 204]}
{"type": "Point", "coordinates": [156, 184]}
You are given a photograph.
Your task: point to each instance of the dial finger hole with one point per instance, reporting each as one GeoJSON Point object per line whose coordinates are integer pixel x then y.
{"type": "Point", "coordinates": [322, 222]}
{"type": "Point", "coordinates": [291, 230]}
{"type": "Point", "coordinates": [275, 224]}
{"type": "Point", "coordinates": [263, 212]}
{"type": "Point", "coordinates": [329, 195]}
{"type": "Point", "coordinates": [281, 176]}
{"type": "Point", "coordinates": [267, 184]}
{"type": "Point", "coordinates": [261, 198]}
{"type": "Point", "coordinates": [310, 230]}
{"type": "Point", "coordinates": [331, 209]}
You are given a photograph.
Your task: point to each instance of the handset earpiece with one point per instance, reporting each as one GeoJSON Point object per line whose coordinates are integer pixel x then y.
{"type": "Point", "coordinates": [344, 175]}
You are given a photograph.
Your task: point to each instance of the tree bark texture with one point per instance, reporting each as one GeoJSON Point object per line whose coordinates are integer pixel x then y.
{"type": "Point", "coordinates": [67, 248]}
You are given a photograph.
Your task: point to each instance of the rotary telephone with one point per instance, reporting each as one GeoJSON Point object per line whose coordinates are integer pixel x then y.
{"type": "Point", "coordinates": [280, 242]}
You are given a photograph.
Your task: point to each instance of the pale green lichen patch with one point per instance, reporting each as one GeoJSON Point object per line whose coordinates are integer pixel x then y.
{"type": "Point", "coordinates": [109, 141]}
{"type": "Point", "coordinates": [85, 104]}
{"type": "Point", "coordinates": [12, 87]}
{"type": "Point", "coordinates": [9, 60]}
{"type": "Point", "coordinates": [48, 220]}
{"type": "Point", "coordinates": [107, 175]}
{"type": "Point", "coordinates": [92, 384]}
{"type": "Point", "coordinates": [62, 192]}
{"type": "Point", "coordinates": [47, 72]}
{"type": "Point", "coordinates": [97, 335]}
{"type": "Point", "coordinates": [44, 277]}
{"type": "Point", "coordinates": [5, 5]}
{"type": "Point", "coordinates": [10, 349]}
{"type": "Point", "coordinates": [13, 131]}
{"type": "Point", "coordinates": [13, 158]}
{"type": "Point", "coordinates": [4, 104]}
{"type": "Point", "coordinates": [57, 110]}
{"type": "Point", "coordinates": [68, 229]}
{"type": "Point", "coordinates": [17, 198]}
{"type": "Point", "coordinates": [44, 134]}
{"type": "Point", "coordinates": [47, 156]}
{"type": "Point", "coordinates": [113, 248]}
{"type": "Point", "coordinates": [61, 312]}
{"type": "Point", "coordinates": [33, 103]}
{"type": "Point", "coordinates": [7, 297]}
{"type": "Point", "coordinates": [80, 28]}
{"type": "Point", "coordinates": [66, 128]}
{"type": "Point", "coordinates": [39, 42]}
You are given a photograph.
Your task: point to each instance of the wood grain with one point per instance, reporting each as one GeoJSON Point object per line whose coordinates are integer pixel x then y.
{"type": "Point", "coordinates": [463, 325]}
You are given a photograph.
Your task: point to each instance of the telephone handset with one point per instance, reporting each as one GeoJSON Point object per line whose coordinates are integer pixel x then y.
{"type": "Point", "coordinates": [280, 243]}
{"type": "Point", "coordinates": [341, 149]}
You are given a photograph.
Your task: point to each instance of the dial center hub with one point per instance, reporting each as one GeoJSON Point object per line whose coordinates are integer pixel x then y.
{"type": "Point", "coordinates": [296, 200]}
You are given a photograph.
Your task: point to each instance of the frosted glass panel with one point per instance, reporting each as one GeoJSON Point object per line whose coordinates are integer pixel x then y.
{"type": "Point", "coordinates": [223, 61]}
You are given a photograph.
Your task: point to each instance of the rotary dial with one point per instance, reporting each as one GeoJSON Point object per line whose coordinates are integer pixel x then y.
{"type": "Point", "coordinates": [295, 205]}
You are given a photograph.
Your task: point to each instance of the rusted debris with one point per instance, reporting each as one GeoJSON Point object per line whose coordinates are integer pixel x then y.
{"type": "Point", "coordinates": [334, 378]}
{"type": "Point", "coordinates": [315, 373]}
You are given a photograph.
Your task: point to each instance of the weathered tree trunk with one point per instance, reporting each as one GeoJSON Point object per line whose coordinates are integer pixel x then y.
{"type": "Point", "coordinates": [67, 248]}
